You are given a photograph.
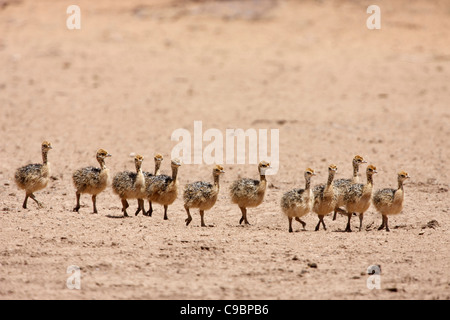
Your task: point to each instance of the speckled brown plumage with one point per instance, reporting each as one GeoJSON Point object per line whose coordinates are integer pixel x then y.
{"type": "Point", "coordinates": [34, 177]}
{"type": "Point", "coordinates": [249, 193]}
{"type": "Point", "coordinates": [163, 189]}
{"type": "Point", "coordinates": [202, 195]}
{"type": "Point", "coordinates": [147, 176]}
{"type": "Point", "coordinates": [130, 185]}
{"type": "Point", "coordinates": [298, 202]}
{"type": "Point", "coordinates": [92, 180]}
{"type": "Point", "coordinates": [325, 197]}
{"type": "Point", "coordinates": [341, 185]}
{"type": "Point", "coordinates": [358, 197]}
{"type": "Point", "coordinates": [390, 201]}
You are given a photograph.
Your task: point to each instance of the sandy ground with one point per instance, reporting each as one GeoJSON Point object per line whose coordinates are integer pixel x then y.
{"type": "Point", "coordinates": [138, 70]}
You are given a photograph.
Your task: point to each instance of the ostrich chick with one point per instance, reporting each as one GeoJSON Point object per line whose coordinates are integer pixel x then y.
{"type": "Point", "coordinates": [92, 180]}
{"type": "Point", "coordinates": [358, 197]}
{"type": "Point", "coordinates": [130, 185]}
{"type": "Point", "coordinates": [249, 193]}
{"type": "Point", "coordinates": [147, 175]}
{"type": "Point", "coordinates": [325, 197]}
{"type": "Point", "coordinates": [163, 189]}
{"type": "Point", "coordinates": [202, 195]}
{"type": "Point", "coordinates": [390, 201]}
{"type": "Point", "coordinates": [34, 177]}
{"type": "Point", "coordinates": [342, 185]}
{"type": "Point", "coordinates": [298, 202]}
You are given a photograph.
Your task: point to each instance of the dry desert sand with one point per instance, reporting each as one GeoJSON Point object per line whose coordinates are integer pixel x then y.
{"type": "Point", "coordinates": [138, 70]}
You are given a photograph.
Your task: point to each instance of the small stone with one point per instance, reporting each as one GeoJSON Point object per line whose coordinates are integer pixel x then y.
{"type": "Point", "coordinates": [312, 265]}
